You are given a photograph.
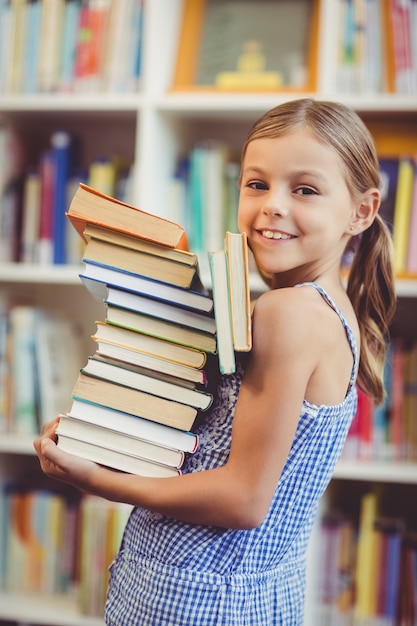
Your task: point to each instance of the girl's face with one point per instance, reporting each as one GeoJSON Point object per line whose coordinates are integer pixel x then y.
{"type": "Point", "coordinates": [295, 206]}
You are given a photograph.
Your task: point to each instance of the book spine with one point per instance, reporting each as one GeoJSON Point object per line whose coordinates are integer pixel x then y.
{"type": "Point", "coordinates": [61, 149]}
{"type": "Point", "coordinates": [46, 223]}
{"type": "Point", "coordinates": [69, 38]}
{"type": "Point", "coordinates": [34, 16]}
{"type": "Point", "coordinates": [411, 265]}
{"type": "Point", "coordinates": [402, 213]}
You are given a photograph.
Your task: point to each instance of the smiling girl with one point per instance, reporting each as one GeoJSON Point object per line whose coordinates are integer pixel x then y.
{"type": "Point", "coordinates": [226, 542]}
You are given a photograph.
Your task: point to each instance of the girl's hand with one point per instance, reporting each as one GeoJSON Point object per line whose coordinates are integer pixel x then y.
{"type": "Point", "coordinates": [60, 465]}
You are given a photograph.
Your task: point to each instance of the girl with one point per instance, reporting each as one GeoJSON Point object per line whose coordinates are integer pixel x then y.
{"type": "Point", "coordinates": [225, 543]}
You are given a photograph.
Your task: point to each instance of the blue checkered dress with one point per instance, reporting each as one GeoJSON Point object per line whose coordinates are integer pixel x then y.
{"type": "Point", "coordinates": [170, 573]}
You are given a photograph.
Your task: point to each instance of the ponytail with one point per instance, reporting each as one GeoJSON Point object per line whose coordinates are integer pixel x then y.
{"type": "Point", "coordinates": [371, 289]}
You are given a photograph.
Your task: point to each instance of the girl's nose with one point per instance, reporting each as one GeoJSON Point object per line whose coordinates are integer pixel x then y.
{"type": "Point", "coordinates": [275, 205]}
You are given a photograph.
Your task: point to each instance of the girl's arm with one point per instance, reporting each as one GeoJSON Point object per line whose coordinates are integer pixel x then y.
{"type": "Point", "coordinates": [238, 494]}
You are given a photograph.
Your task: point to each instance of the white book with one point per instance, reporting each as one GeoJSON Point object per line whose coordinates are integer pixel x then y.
{"type": "Point", "coordinates": [134, 426]}
{"type": "Point", "coordinates": [115, 459]}
{"type": "Point", "coordinates": [111, 438]}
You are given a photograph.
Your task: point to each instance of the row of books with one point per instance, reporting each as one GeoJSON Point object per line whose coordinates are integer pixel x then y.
{"type": "Point", "coordinates": [377, 45]}
{"type": "Point", "coordinates": [52, 543]}
{"type": "Point", "coordinates": [33, 199]}
{"type": "Point", "coordinates": [137, 398]}
{"type": "Point", "coordinates": [388, 432]}
{"type": "Point", "coordinates": [369, 573]}
{"type": "Point", "coordinates": [40, 352]}
{"type": "Point", "coordinates": [70, 45]}
{"type": "Point", "coordinates": [204, 194]}
{"type": "Point", "coordinates": [399, 209]}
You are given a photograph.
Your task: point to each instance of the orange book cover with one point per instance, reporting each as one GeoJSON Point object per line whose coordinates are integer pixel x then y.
{"type": "Point", "coordinates": [90, 206]}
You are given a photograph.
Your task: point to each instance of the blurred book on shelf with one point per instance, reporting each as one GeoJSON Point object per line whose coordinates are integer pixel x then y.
{"type": "Point", "coordinates": [66, 46]}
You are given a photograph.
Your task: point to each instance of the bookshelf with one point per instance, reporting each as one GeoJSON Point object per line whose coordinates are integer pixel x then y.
{"type": "Point", "coordinates": [152, 128]}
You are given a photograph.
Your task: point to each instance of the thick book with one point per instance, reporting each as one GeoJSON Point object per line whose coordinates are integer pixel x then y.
{"type": "Point", "coordinates": [134, 402]}
{"type": "Point", "coordinates": [222, 312]}
{"type": "Point", "coordinates": [139, 342]}
{"type": "Point", "coordinates": [229, 270]}
{"type": "Point", "coordinates": [403, 199]}
{"type": "Point", "coordinates": [160, 310]}
{"type": "Point", "coordinates": [115, 459]}
{"type": "Point", "coordinates": [411, 266]}
{"type": "Point", "coordinates": [111, 438]}
{"type": "Point", "coordinates": [147, 383]}
{"type": "Point", "coordinates": [123, 240]}
{"type": "Point", "coordinates": [89, 205]}
{"type": "Point", "coordinates": [142, 263]}
{"type": "Point", "coordinates": [189, 337]}
{"type": "Point", "coordinates": [150, 365]}
{"type": "Point", "coordinates": [97, 278]}
{"type": "Point", "coordinates": [134, 426]}
{"type": "Point", "coordinates": [239, 290]}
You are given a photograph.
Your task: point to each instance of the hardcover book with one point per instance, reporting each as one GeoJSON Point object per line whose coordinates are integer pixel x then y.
{"type": "Point", "coordinates": [91, 206]}
{"type": "Point", "coordinates": [112, 438]}
{"type": "Point", "coordinates": [133, 401]}
{"type": "Point", "coordinates": [138, 342]}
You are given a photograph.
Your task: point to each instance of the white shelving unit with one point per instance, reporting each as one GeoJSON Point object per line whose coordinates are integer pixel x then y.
{"type": "Point", "coordinates": [154, 127]}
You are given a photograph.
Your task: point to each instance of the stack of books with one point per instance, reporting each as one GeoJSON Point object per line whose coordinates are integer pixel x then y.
{"type": "Point", "coordinates": [136, 399]}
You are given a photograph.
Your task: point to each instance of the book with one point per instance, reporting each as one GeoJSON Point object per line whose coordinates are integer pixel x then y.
{"type": "Point", "coordinates": [229, 269]}
{"type": "Point", "coordinates": [51, 28]}
{"type": "Point", "coordinates": [162, 329]}
{"type": "Point", "coordinates": [98, 277]}
{"type": "Point", "coordinates": [134, 426]}
{"type": "Point", "coordinates": [366, 554]}
{"type": "Point", "coordinates": [138, 342]}
{"type": "Point", "coordinates": [91, 206]}
{"type": "Point", "coordinates": [222, 312]}
{"type": "Point", "coordinates": [117, 50]}
{"type": "Point", "coordinates": [156, 366]}
{"type": "Point", "coordinates": [69, 41]}
{"type": "Point", "coordinates": [102, 175]}
{"type": "Point", "coordinates": [389, 178]}
{"type": "Point", "coordinates": [147, 383]}
{"type": "Point", "coordinates": [33, 17]}
{"type": "Point", "coordinates": [134, 402]}
{"type": "Point", "coordinates": [239, 288]}
{"type": "Point", "coordinates": [90, 46]}
{"type": "Point", "coordinates": [402, 213]}
{"type": "Point", "coordinates": [411, 265]}
{"type": "Point", "coordinates": [111, 438]}
{"type": "Point", "coordinates": [137, 262]}
{"type": "Point", "coordinates": [18, 48]}
{"type": "Point", "coordinates": [24, 402]}
{"type": "Point", "coordinates": [62, 146]}
{"type": "Point", "coordinates": [56, 367]}
{"type": "Point", "coordinates": [115, 459]}
{"type": "Point", "coordinates": [160, 310]}
{"type": "Point", "coordinates": [101, 233]}
{"type": "Point", "coordinates": [30, 217]}
{"type": "Point", "coordinates": [46, 218]}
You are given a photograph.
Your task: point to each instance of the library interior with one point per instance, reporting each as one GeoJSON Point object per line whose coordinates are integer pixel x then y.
{"type": "Point", "coordinates": [110, 106]}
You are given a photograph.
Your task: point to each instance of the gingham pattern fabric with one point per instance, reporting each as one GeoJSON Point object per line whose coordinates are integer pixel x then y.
{"type": "Point", "coordinates": [170, 573]}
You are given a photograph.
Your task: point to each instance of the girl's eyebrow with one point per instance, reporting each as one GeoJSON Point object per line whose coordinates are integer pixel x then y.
{"type": "Point", "coordinates": [253, 169]}
{"type": "Point", "coordinates": [312, 173]}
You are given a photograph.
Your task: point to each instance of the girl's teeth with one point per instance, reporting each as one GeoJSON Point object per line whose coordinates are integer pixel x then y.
{"type": "Point", "coordinates": [269, 234]}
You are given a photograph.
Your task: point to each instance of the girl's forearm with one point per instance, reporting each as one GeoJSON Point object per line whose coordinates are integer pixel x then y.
{"type": "Point", "coordinates": [213, 497]}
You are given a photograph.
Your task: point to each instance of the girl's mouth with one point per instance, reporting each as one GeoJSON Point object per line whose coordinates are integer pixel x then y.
{"type": "Point", "coordinates": [274, 234]}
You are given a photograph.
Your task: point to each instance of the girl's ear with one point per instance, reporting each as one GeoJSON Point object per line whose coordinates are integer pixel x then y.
{"type": "Point", "coordinates": [365, 212]}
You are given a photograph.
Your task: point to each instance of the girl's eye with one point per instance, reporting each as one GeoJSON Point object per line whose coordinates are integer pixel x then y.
{"type": "Point", "coordinates": [305, 191]}
{"type": "Point", "coordinates": [256, 184]}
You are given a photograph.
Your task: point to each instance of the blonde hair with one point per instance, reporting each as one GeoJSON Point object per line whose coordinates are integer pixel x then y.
{"type": "Point", "coordinates": [371, 282]}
